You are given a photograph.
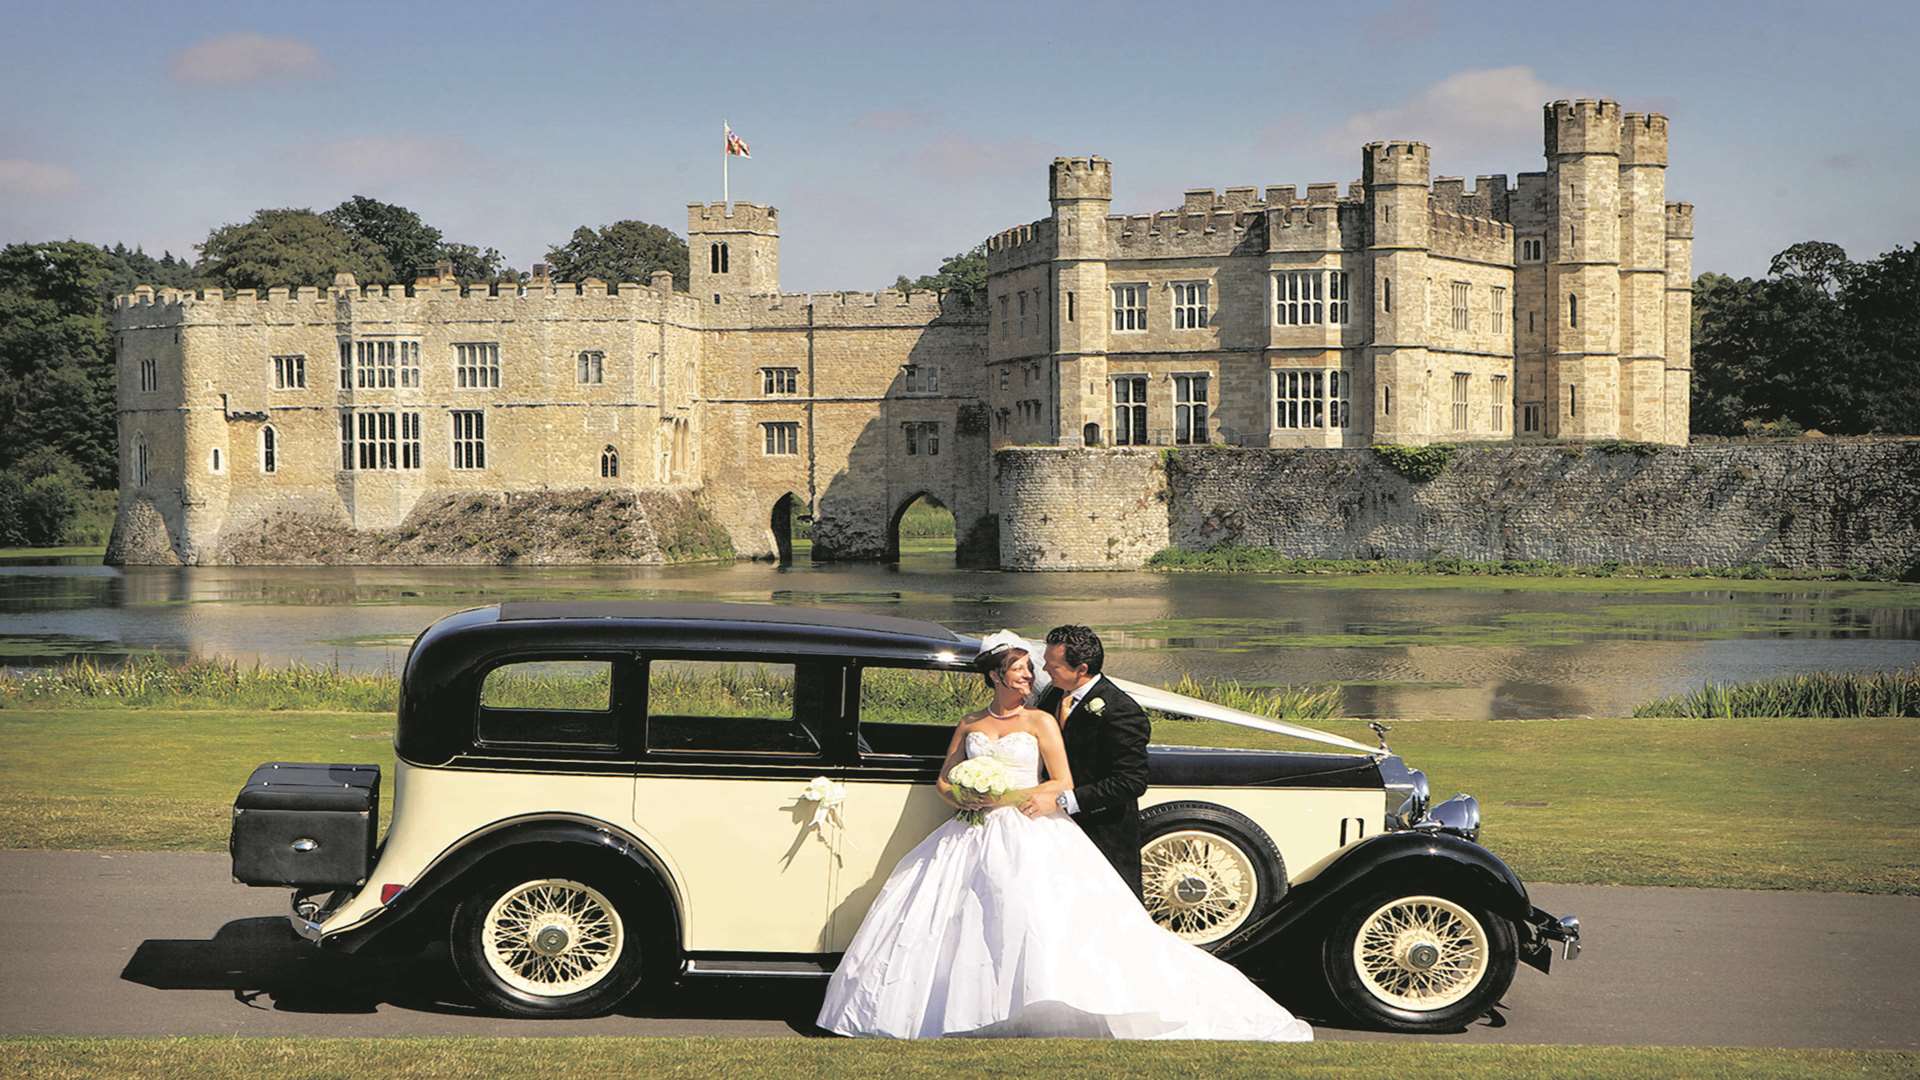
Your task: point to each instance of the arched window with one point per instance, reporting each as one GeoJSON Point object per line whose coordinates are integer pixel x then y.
{"type": "Point", "coordinates": [724, 268]}
{"type": "Point", "coordinates": [609, 463]}
{"type": "Point", "coordinates": [1090, 435]}
{"type": "Point", "coordinates": [1573, 310]}
{"type": "Point", "coordinates": [717, 258]}
{"type": "Point", "coordinates": [141, 461]}
{"type": "Point", "coordinates": [269, 449]}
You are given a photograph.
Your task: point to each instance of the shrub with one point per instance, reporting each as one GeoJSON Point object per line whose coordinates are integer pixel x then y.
{"type": "Point", "coordinates": [1416, 463]}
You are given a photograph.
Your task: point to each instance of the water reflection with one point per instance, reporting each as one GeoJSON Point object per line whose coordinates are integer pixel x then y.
{"type": "Point", "coordinates": [1423, 648]}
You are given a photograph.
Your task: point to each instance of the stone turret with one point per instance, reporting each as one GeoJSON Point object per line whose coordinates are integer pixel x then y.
{"type": "Point", "coordinates": [733, 250]}
{"type": "Point", "coordinates": [1583, 269]}
{"type": "Point", "coordinates": [1080, 191]}
{"type": "Point", "coordinates": [1394, 175]}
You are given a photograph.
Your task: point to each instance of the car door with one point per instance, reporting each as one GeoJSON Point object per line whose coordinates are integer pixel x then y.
{"type": "Point", "coordinates": [730, 743]}
{"type": "Point", "coordinates": [905, 717]}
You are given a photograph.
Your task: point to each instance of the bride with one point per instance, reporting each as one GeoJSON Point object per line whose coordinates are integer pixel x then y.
{"type": "Point", "coordinates": [1019, 926]}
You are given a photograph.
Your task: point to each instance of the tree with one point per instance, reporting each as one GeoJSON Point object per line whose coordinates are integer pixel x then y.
{"type": "Point", "coordinates": [472, 265]}
{"type": "Point", "coordinates": [964, 275]}
{"type": "Point", "coordinates": [411, 246]}
{"type": "Point", "coordinates": [56, 357]}
{"type": "Point", "coordinates": [622, 251]}
{"type": "Point", "coordinates": [288, 247]}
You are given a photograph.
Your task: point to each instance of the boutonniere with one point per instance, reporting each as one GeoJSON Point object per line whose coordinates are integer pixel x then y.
{"type": "Point", "coordinates": [1097, 706]}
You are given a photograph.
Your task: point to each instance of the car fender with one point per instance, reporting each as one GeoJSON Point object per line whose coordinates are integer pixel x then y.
{"type": "Point", "coordinates": [1410, 857]}
{"type": "Point", "coordinates": [439, 886]}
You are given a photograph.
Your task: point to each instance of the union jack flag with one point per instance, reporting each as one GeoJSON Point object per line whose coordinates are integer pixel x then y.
{"type": "Point", "coordinates": [736, 146]}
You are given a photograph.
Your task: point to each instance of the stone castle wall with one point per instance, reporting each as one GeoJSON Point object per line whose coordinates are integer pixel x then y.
{"type": "Point", "coordinates": [1814, 504]}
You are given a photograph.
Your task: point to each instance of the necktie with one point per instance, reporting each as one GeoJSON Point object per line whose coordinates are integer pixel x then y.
{"type": "Point", "coordinates": [1063, 708]}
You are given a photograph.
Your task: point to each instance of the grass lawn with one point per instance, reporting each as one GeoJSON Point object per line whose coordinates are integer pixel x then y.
{"type": "Point", "coordinates": [71, 551]}
{"type": "Point", "coordinates": [796, 1058]}
{"type": "Point", "coordinates": [1751, 803]}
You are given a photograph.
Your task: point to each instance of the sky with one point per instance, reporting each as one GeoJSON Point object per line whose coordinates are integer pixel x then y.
{"type": "Point", "coordinates": [891, 135]}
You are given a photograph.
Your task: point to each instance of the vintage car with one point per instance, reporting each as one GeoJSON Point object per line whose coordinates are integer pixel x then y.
{"type": "Point", "coordinates": [593, 797]}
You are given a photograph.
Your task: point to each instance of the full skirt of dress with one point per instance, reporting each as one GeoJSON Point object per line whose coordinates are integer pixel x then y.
{"type": "Point", "coordinates": [1019, 926]}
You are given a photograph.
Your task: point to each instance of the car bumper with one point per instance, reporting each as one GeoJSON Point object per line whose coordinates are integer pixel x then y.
{"type": "Point", "coordinates": [1540, 930]}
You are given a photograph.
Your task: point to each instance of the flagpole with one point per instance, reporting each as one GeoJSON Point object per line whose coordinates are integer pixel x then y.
{"type": "Point", "coordinates": [726, 193]}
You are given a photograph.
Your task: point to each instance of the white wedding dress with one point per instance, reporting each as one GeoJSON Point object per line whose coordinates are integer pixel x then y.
{"type": "Point", "coordinates": [1019, 926]}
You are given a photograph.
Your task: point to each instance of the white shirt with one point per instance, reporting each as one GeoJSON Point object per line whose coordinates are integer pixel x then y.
{"type": "Point", "coordinates": [1066, 801]}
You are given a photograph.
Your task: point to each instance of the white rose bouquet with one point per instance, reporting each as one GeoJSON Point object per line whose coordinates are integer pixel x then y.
{"type": "Point", "coordinates": [981, 779]}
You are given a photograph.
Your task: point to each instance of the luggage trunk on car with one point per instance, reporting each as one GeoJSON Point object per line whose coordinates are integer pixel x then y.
{"type": "Point", "coordinates": [306, 825]}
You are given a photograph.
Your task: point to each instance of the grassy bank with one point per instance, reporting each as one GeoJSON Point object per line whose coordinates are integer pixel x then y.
{"type": "Point", "coordinates": [798, 1058]}
{"type": "Point", "coordinates": [1775, 803]}
{"type": "Point", "coordinates": [1824, 693]}
{"type": "Point", "coordinates": [1238, 559]}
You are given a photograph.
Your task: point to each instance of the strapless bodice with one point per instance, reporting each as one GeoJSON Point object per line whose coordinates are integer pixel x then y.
{"type": "Point", "coordinates": [1019, 751]}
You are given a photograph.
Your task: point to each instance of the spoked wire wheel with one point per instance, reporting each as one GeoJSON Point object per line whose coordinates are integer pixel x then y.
{"type": "Point", "coordinates": [1198, 884]}
{"type": "Point", "coordinates": [552, 937]}
{"type": "Point", "coordinates": [1421, 953]}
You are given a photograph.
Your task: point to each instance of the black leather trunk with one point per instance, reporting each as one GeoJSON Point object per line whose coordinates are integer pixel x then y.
{"type": "Point", "coordinates": [306, 825]}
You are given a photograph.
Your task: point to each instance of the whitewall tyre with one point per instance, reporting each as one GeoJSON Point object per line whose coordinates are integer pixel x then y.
{"type": "Point", "coordinates": [548, 942]}
{"type": "Point", "coordinates": [1414, 960]}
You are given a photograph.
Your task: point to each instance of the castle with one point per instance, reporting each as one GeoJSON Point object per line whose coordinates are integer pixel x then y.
{"type": "Point", "coordinates": [1408, 310]}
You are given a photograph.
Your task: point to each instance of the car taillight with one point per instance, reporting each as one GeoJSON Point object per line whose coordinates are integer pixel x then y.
{"type": "Point", "coordinates": [388, 892]}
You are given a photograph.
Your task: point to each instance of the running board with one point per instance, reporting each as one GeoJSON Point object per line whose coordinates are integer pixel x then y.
{"type": "Point", "coordinates": [762, 969]}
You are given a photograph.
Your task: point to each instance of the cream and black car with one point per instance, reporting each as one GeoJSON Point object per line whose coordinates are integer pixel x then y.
{"type": "Point", "coordinates": [593, 797]}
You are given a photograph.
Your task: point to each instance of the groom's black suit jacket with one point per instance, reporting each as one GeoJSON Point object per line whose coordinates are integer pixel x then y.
{"type": "Point", "coordinates": [1107, 752]}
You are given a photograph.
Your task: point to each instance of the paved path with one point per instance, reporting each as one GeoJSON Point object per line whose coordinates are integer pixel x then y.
{"type": "Point", "coordinates": [166, 944]}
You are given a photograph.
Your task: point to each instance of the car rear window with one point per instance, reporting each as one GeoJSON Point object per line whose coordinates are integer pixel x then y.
{"type": "Point", "coordinates": [549, 703]}
{"type": "Point", "coordinates": [729, 707]}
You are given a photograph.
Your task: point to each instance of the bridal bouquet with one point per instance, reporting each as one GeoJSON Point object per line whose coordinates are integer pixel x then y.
{"type": "Point", "coordinates": [983, 779]}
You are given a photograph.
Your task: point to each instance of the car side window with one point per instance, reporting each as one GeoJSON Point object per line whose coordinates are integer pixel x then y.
{"type": "Point", "coordinates": [549, 703]}
{"type": "Point", "coordinates": [910, 711]}
{"type": "Point", "coordinates": [744, 707]}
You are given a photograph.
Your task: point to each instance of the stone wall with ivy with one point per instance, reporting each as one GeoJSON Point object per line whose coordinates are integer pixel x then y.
{"type": "Point", "coordinates": [1811, 504]}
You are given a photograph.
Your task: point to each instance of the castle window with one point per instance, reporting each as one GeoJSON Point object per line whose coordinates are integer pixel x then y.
{"type": "Point", "coordinates": [921, 378]}
{"type": "Point", "coordinates": [1529, 322]}
{"type": "Point", "coordinates": [1299, 399]}
{"type": "Point", "coordinates": [780, 439]}
{"type": "Point", "coordinates": [1130, 408]}
{"type": "Point", "coordinates": [1129, 309]}
{"type": "Point", "coordinates": [1386, 401]}
{"type": "Point", "coordinates": [1003, 313]}
{"type": "Point", "coordinates": [289, 372]}
{"type": "Point", "coordinates": [1460, 379]}
{"type": "Point", "coordinates": [1530, 416]}
{"type": "Point", "coordinates": [1339, 398]}
{"type": "Point", "coordinates": [377, 435]}
{"type": "Point", "coordinates": [591, 370]}
{"type": "Point", "coordinates": [609, 463]}
{"type": "Point", "coordinates": [1339, 297]}
{"type": "Point", "coordinates": [469, 440]}
{"type": "Point", "coordinates": [1069, 305]}
{"type": "Point", "coordinates": [149, 376]}
{"type": "Point", "coordinates": [376, 365]}
{"type": "Point", "coordinates": [717, 258]}
{"type": "Point", "coordinates": [1386, 294]}
{"type": "Point", "coordinates": [1497, 309]}
{"type": "Point", "coordinates": [1090, 435]}
{"type": "Point", "coordinates": [409, 364]}
{"type": "Point", "coordinates": [1190, 409]}
{"type": "Point", "coordinates": [1571, 234]}
{"type": "Point", "coordinates": [1499, 403]}
{"type": "Point", "coordinates": [1005, 373]}
{"type": "Point", "coordinates": [142, 461]}
{"type": "Point", "coordinates": [1189, 305]}
{"type": "Point", "coordinates": [1530, 249]}
{"type": "Point", "coordinates": [1573, 401]}
{"type": "Point", "coordinates": [214, 463]}
{"type": "Point", "coordinates": [476, 365]}
{"type": "Point", "coordinates": [1023, 311]}
{"type": "Point", "coordinates": [269, 450]}
{"type": "Point", "coordinates": [1462, 292]}
{"type": "Point", "coordinates": [346, 365]}
{"type": "Point", "coordinates": [779, 381]}
{"type": "Point", "coordinates": [409, 440]}
{"type": "Point", "coordinates": [1299, 298]}
{"type": "Point", "coordinates": [1573, 310]}
{"type": "Point", "coordinates": [923, 436]}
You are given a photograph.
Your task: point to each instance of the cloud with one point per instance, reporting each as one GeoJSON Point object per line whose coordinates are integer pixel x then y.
{"type": "Point", "coordinates": [243, 58]}
{"type": "Point", "coordinates": [21, 177]}
{"type": "Point", "coordinates": [381, 160]}
{"type": "Point", "coordinates": [1473, 114]}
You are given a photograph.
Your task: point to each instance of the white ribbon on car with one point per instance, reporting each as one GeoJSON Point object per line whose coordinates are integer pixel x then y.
{"type": "Point", "coordinates": [826, 794]}
{"type": "Point", "coordinates": [1166, 701]}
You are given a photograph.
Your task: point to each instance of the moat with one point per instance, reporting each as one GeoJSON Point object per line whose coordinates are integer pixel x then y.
{"type": "Point", "coordinates": [1399, 647]}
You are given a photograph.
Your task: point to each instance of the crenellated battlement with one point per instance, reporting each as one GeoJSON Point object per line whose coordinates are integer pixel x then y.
{"type": "Point", "coordinates": [1386, 163]}
{"type": "Point", "coordinates": [1175, 232]}
{"type": "Point", "coordinates": [1070, 178]}
{"type": "Point", "coordinates": [1582, 126]}
{"type": "Point", "coordinates": [1680, 221]}
{"type": "Point", "coordinates": [1206, 200]}
{"type": "Point", "coordinates": [739, 217]}
{"type": "Point", "coordinates": [1461, 236]}
{"type": "Point", "coordinates": [1022, 245]}
{"type": "Point", "coordinates": [146, 306]}
{"type": "Point", "coordinates": [1643, 139]}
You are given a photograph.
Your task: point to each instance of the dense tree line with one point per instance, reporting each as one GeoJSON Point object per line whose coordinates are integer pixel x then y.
{"type": "Point", "coordinates": [1821, 342]}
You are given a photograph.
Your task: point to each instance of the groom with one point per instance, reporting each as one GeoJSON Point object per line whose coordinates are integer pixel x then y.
{"type": "Point", "coordinates": [1106, 738]}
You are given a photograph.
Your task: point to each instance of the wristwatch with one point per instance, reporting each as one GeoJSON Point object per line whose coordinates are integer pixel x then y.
{"type": "Point", "coordinates": [1061, 802]}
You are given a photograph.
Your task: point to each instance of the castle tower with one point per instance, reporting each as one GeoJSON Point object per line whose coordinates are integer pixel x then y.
{"type": "Point", "coordinates": [1643, 277]}
{"type": "Point", "coordinates": [1080, 191]}
{"type": "Point", "coordinates": [1583, 269]}
{"type": "Point", "coordinates": [1679, 309]}
{"type": "Point", "coordinates": [733, 250]}
{"type": "Point", "coordinates": [1394, 175]}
